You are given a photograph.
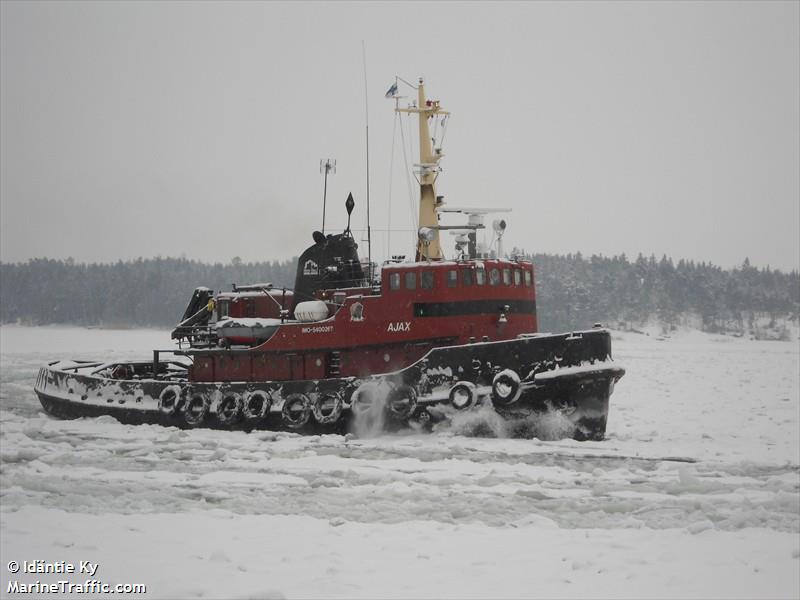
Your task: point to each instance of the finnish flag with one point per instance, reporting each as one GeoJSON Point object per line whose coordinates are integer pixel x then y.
{"type": "Point", "coordinates": [392, 91]}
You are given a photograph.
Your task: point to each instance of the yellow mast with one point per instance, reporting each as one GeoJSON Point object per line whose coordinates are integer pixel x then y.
{"type": "Point", "coordinates": [428, 168]}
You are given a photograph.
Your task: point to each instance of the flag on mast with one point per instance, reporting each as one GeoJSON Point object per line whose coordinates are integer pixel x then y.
{"type": "Point", "coordinates": [392, 91]}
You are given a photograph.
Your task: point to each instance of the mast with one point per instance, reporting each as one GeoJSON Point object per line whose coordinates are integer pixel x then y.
{"type": "Point", "coordinates": [366, 121]}
{"type": "Point", "coordinates": [428, 169]}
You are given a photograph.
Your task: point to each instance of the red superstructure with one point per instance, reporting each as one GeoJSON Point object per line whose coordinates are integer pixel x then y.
{"type": "Point", "coordinates": [416, 307]}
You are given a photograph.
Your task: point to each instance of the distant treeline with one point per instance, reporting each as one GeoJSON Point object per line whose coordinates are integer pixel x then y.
{"type": "Point", "coordinates": [143, 292]}
{"type": "Point", "coordinates": [572, 291]}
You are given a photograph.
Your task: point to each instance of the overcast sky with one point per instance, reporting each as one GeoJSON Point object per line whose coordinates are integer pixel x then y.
{"type": "Point", "coordinates": [196, 129]}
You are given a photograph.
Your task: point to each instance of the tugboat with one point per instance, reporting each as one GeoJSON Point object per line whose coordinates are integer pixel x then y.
{"type": "Point", "coordinates": [351, 340]}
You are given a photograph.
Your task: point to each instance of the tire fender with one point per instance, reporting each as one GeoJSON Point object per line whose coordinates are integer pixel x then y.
{"type": "Point", "coordinates": [169, 399]}
{"type": "Point", "coordinates": [296, 410]}
{"type": "Point", "coordinates": [366, 396]}
{"type": "Point", "coordinates": [463, 395]}
{"type": "Point", "coordinates": [506, 388]}
{"type": "Point", "coordinates": [229, 409]}
{"type": "Point", "coordinates": [401, 402]}
{"type": "Point", "coordinates": [256, 405]}
{"type": "Point", "coordinates": [195, 408]}
{"type": "Point", "coordinates": [335, 411]}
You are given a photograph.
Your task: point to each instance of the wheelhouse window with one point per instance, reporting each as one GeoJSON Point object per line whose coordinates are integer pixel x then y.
{"type": "Point", "coordinates": [528, 278]}
{"type": "Point", "coordinates": [394, 281]}
{"type": "Point", "coordinates": [506, 276]}
{"type": "Point", "coordinates": [411, 280]}
{"type": "Point", "coordinates": [494, 277]}
{"type": "Point", "coordinates": [517, 277]}
{"type": "Point", "coordinates": [480, 275]}
{"type": "Point", "coordinates": [426, 280]}
{"type": "Point", "coordinates": [452, 278]}
{"type": "Point", "coordinates": [467, 277]}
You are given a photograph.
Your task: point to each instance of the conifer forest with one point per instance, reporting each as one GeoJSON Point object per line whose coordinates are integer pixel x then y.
{"type": "Point", "coordinates": [573, 292]}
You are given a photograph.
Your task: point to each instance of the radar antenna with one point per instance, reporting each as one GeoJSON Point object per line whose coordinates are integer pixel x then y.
{"type": "Point", "coordinates": [475, 218]}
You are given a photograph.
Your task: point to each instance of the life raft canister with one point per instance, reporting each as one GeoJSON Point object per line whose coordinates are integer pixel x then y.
{"type": "Point", "coordinates": [311, 311]}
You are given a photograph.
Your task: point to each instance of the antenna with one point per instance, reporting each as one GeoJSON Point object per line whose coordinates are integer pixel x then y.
{"type": "Point", "coordinates": [366, 121]}
{"type": "Point", "coordinates": [326, 166]}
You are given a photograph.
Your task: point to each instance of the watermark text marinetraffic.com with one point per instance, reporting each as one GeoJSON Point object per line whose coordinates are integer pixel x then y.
{"type": "Point", "coordinates": [63, 586]}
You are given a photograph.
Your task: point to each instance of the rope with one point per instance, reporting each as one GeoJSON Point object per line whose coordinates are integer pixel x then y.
{"type": "Point", "coordinates": [411, 85]}
{"type": "Point", "coordinates": [408, 183]}
{"type": "Point", "coordinates": [380, 229]}
{"type": "Point", "coordinates": [411, 152]}
{"type": "Point", "coordinates": [445, 121]}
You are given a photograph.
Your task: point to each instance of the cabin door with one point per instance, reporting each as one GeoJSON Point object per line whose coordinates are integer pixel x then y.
{"type": "Point", "coordinates": [296, 370]}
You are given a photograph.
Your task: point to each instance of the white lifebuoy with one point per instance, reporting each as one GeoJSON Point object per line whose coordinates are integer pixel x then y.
{"type": "Point", "coordinates": [229, 408]}
{"type": "Point", "coordinates": [327, 408]}
{"type": "Point", "coordinates": [463, 395]}
{"type": "Point", "coordinates": [169, 399]}
{"type": "Point", "coordinates": [506, 388]}
{"type": "Point", "coordinates": [401, 402]}
{"type": "Point", "coordinates": [195, 408]}
{"type": "Point", "coordinates": [256, 405]}
{"type": "Point", "coordinates": [296, 410]}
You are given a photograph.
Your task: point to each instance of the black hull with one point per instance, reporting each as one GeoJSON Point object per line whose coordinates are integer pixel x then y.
{"type": "Point", "coordinates": [570, 373]}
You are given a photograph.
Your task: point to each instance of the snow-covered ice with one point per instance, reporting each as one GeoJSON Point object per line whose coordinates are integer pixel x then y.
{"type": "Point", "coordinates": [694, 493]}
